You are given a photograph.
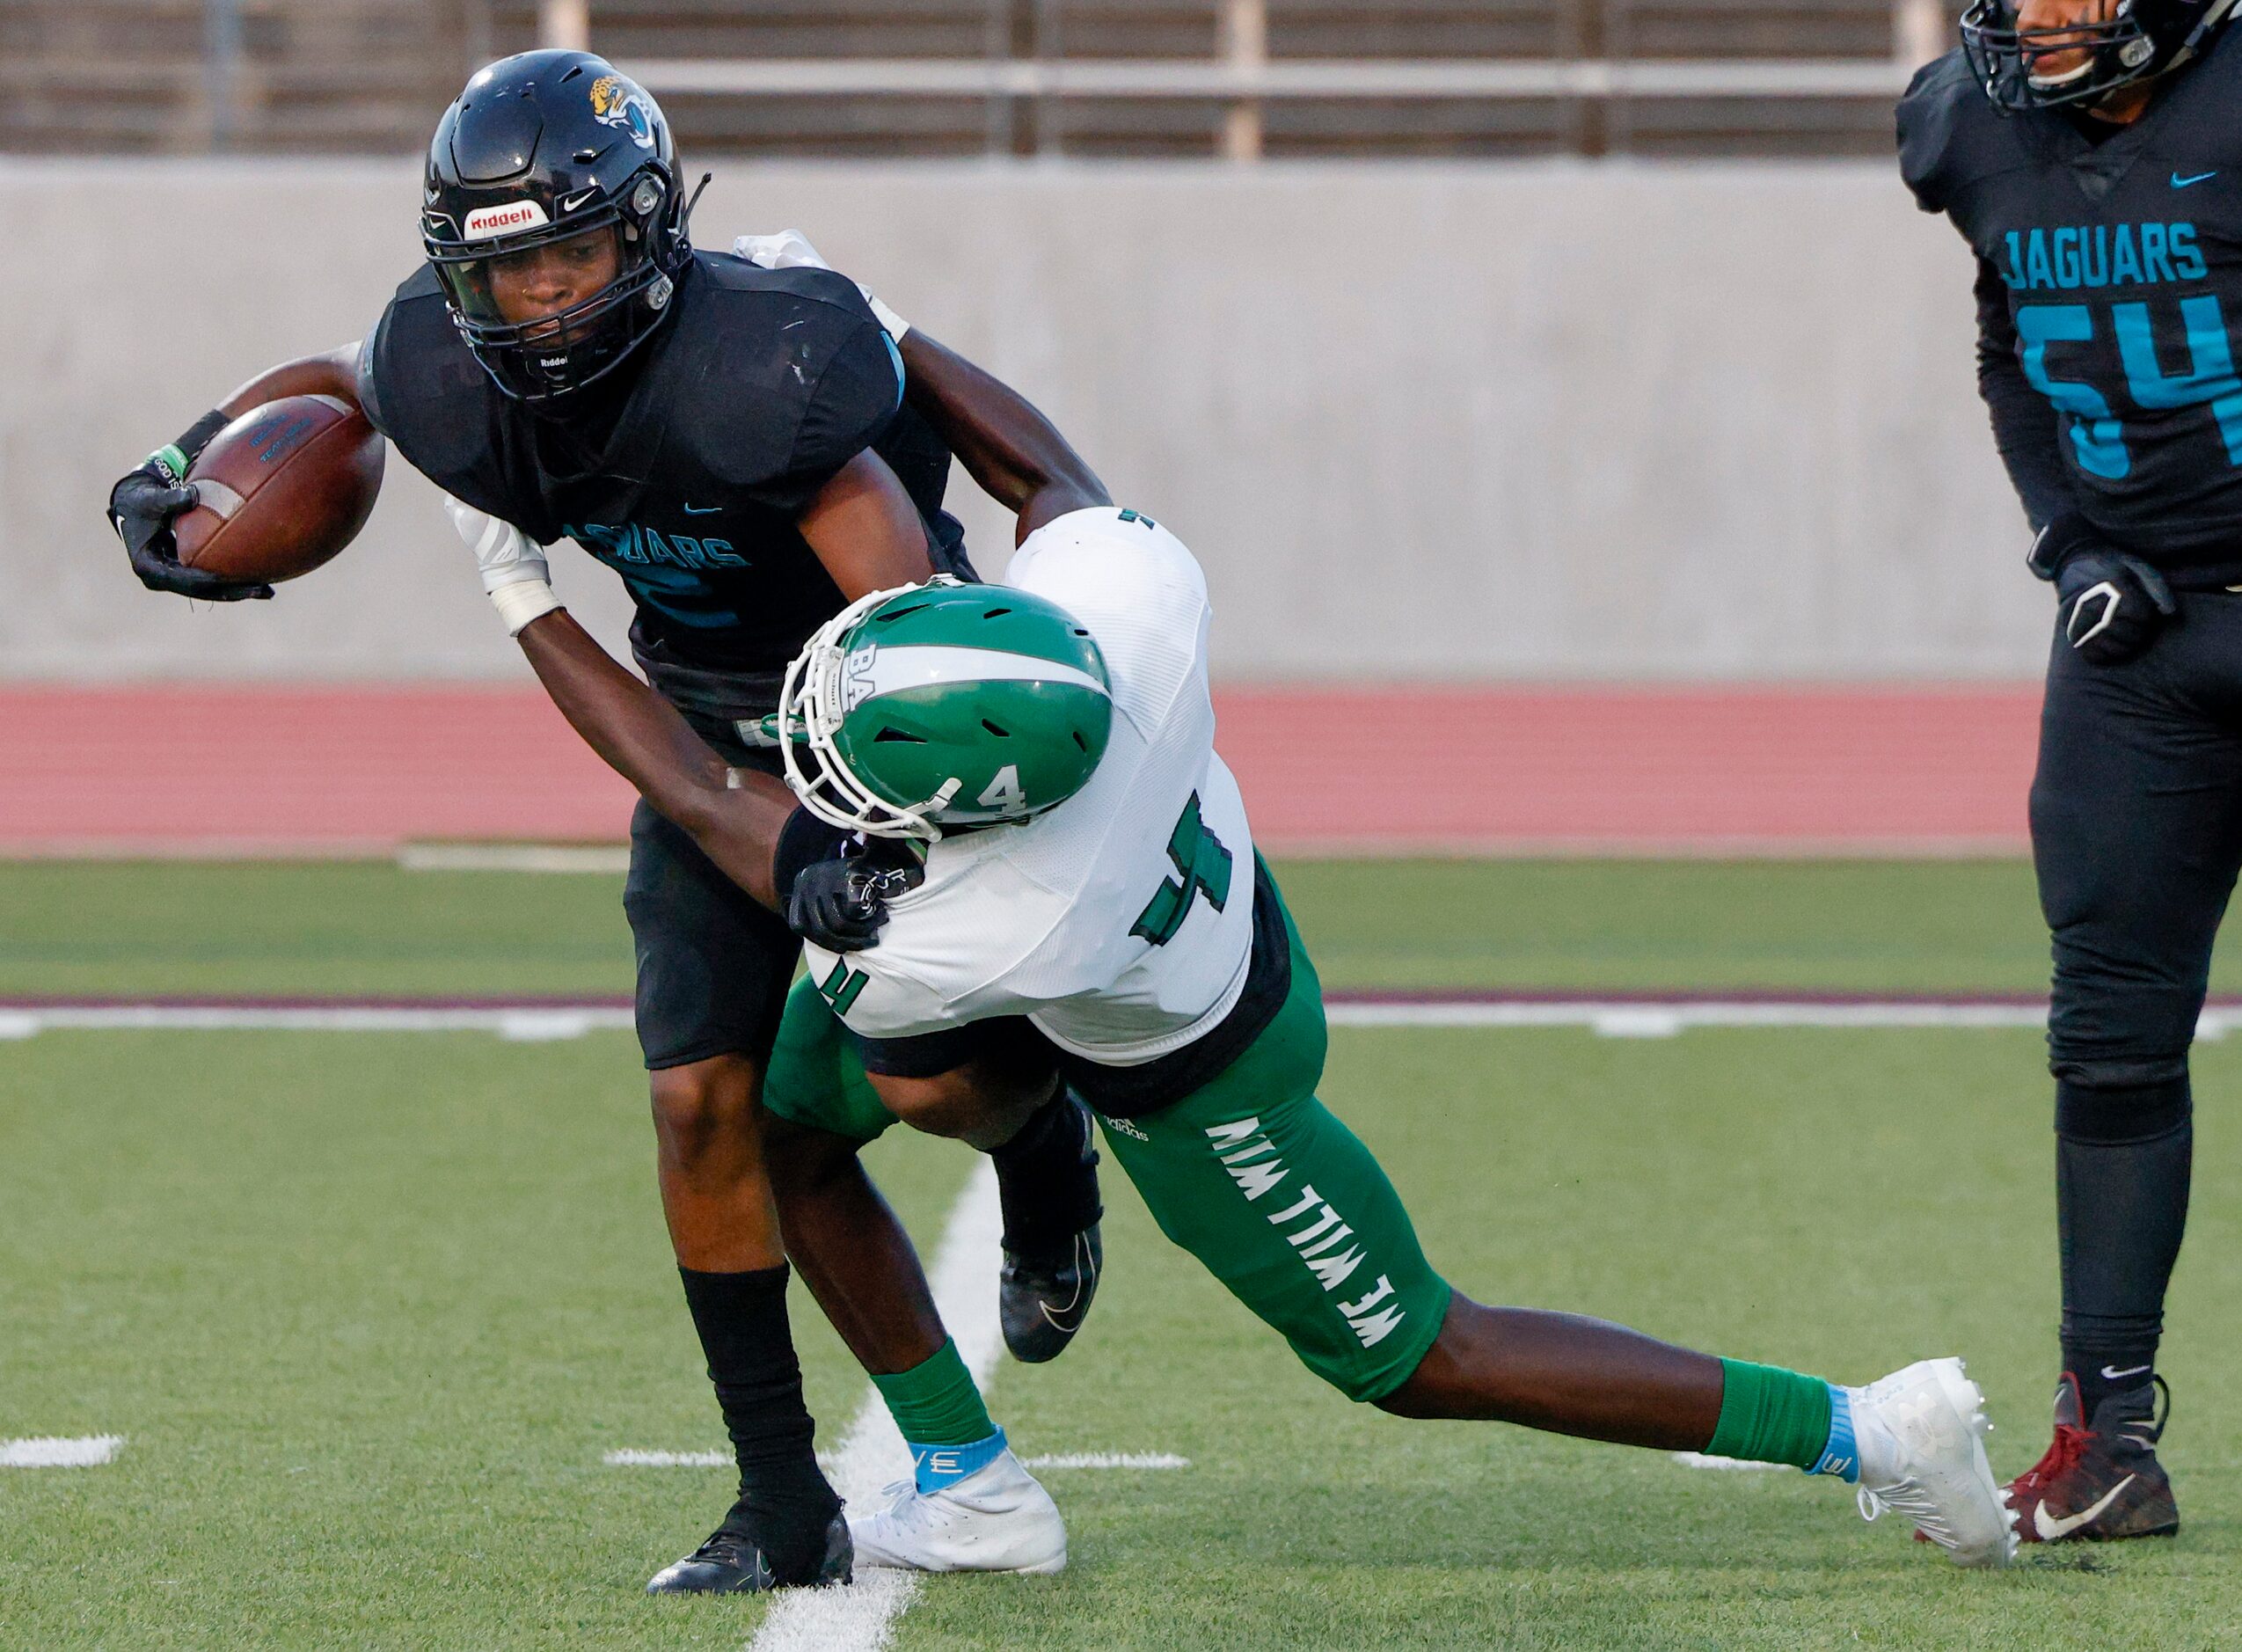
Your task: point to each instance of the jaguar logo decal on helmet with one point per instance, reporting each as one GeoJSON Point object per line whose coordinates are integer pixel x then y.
{"type": "Point", "coordinates": [616, 102]}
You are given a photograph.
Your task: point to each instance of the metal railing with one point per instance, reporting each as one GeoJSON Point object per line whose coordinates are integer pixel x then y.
{"type": "Point", "coordinates": [1244, 79]}
{"type": "Point", "coordinates": [1239, 79]}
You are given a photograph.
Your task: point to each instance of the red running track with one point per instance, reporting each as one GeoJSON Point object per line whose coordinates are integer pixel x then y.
{"type": "Point", "coordinates": [198, 769]}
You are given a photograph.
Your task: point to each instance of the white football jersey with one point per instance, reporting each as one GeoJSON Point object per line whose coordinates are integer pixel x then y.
{"type": "Point", "coordinates": [1122, 921]}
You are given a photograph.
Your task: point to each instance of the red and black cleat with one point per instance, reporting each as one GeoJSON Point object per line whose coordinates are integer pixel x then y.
{"type": "Point", "coordinates": [2102, 1482]}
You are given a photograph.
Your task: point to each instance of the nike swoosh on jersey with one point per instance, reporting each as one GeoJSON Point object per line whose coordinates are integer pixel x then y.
{"type": "Point", "coordinates": [2178, 182]}
{"type": "Point", "coordinates": [703, 510]}
{"type": "Point", "coordinates": [2050, 1528]}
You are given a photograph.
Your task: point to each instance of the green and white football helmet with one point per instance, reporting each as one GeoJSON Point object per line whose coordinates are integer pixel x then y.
{"type": "Point", "coordinates": [935, 707]}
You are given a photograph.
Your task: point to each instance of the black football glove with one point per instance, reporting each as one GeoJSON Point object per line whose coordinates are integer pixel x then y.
{"type": "Point", "coordinates": [840, 903]}
{"type": "Point", "coordinates": [140, 509]}
{"type": "Point", "coordinates": [2111, 605]}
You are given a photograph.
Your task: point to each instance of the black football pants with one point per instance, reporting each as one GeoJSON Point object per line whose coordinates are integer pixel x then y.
{"type": "Point", "coordinates": [2137, 834]}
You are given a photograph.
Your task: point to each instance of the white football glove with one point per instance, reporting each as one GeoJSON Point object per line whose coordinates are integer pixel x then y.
{"type": "Point", "coordinates": [790, 249]}
{"type": "Point", "coordinates": [514, 574]}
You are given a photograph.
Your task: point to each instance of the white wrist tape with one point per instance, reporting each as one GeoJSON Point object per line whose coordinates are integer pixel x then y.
{"type": "Point", "coordinates": [896, 325]}
{"type": "Point", "coordinates": [522, 602]}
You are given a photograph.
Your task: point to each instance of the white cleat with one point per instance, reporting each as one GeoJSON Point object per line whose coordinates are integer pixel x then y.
{"type": "Point", "coordinates": [1921, 1435]}
{"type": "Point", "coordinates": [998, 1518]}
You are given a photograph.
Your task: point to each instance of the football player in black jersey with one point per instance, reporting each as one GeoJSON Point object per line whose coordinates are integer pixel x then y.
{"type": "Point", "coordinates": [733, 441]}
{"type": "Point", "coordinates": [2089, 152]}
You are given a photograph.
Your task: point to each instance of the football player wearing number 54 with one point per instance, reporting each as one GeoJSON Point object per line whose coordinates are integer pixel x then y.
{"type": "Point", "coordinates": [2088, 152]}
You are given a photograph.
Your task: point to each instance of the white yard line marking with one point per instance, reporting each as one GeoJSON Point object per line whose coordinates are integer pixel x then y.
{"type": "Point", "coordinates": [668, 1459]}
{"type": "Point", "coordinates": [1616, 1018]}
{"type": "Point", "coordinates": [862, 1616]}
{"type": "Point", "coordinates": [89, 1452]}
{"type": "Point", "coordinates": [1699, 1459]}
{"type": "Point", "coordinates": [1607, 1017]}
{"type": "Point", "coordinates": [521, 1022]}
{"type": "Point", "coordinates": [1108, 1459]}
{"type": "Point", "coordinates": [536, 1022]}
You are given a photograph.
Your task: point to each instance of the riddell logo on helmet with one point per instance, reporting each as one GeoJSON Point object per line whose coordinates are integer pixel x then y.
{"type": "Point", "coordinates": [485, 222]}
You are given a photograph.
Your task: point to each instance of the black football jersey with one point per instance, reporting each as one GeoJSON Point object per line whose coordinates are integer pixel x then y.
{"type": "Point", "coordinates": [2120, 259]}
{"type": "Point", "coordinates": [688, 478]}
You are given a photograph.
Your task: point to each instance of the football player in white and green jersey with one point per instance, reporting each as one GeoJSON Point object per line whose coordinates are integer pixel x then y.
{"type": "Point", "coordinates": [1061, 889]}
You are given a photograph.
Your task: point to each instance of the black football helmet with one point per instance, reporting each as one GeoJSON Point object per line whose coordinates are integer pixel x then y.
{"type": "Point", "coordinates": [2142, 39]}
{"type": "Point", "coordinates": [540, 149]}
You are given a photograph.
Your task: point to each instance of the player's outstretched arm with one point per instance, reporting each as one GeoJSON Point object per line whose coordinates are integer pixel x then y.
{"type": "Point", "coordinates": [1017, 454]}
{"type": "Point", "coordinates": [735, 818]}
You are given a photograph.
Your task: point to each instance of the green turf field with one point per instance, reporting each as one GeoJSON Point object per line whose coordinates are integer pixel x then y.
{"type": "Point", "coordinates": [1965, 925]}
{"type": "Point", "coordinates": [369, 1309]}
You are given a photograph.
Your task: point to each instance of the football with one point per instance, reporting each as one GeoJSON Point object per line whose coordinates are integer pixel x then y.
{"type": "Point", "coordinates": [283, 489]}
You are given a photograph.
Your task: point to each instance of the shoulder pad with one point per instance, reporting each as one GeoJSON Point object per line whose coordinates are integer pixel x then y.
{"type": "Point", "coordinates": [431, 398]}
{"type": "Point", "coordinates": [422, 283]}
{"type": "Point", "coordinates": [778, 373]}
{"type": "Point", "coordinates": [1943, 118]}
{"type": "Point", "coordinates": [736, 274]}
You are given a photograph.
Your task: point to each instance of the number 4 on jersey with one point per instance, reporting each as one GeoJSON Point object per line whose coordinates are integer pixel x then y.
{"type": "Point", "coordinates": [843, 986]}
{"type": "Point", "coordinates": [1202, 867]}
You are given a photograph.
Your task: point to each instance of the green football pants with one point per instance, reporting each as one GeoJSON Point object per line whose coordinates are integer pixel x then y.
{"type": "Point", "coordinates": [1251, 1173]}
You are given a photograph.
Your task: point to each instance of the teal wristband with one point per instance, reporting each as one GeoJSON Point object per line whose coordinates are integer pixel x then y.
{"type": "Point", "coordinates": [171, 461]}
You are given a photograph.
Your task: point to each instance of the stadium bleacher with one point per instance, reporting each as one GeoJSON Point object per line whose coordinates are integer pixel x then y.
{"type": "Point", "coordinates": [1177, 78]}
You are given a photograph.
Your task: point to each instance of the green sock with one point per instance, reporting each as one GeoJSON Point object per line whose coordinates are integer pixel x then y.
{"type": "Point", "coordinates": [935, 1403]}
{"type": "Point", "coordinates": [1771, 1415]}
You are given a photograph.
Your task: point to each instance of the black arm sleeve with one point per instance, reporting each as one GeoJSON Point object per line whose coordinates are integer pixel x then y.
{"type": "Point", "coordinates": [803, 841]}
{"type": "Point", "coordinates": [2024, 429]}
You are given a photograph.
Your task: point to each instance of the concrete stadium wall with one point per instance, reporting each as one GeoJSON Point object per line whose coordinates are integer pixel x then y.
{"type": "Point", "coordinates": [1526, 421]}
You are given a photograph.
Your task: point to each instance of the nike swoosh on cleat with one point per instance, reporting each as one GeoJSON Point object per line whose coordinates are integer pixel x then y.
{"type": "Point", "coordinates": [2178, 182]}
{"type": "Point", "coordinates": [2110, 1374]}
{"type": "Point", "coordinates": [2049, 1528]}
{"type": "Point", "coordinates": [1084, 1281]}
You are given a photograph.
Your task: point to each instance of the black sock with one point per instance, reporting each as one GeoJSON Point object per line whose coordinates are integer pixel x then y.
{"type": "Point", "coordinates": [1047, 1178]}
{"type": "Point", "coordinates": [2122, 1164]}
{"type": "Point", "coordinates": [784, 1500]}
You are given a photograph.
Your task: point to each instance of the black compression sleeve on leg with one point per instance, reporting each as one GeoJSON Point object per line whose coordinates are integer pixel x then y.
{"type": "Point", "coordinates": [1046, 1178]}
{"type": "Point", "coordinates": [785, 1500]}
{"type": "Point", "coordinates": [2123, 1163]}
